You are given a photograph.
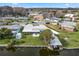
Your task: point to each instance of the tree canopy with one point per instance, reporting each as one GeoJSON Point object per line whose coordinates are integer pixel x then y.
{"type": "Point", "coordinates": [5, 33]}
{"type": "Point", "coordinates": [46, 35]}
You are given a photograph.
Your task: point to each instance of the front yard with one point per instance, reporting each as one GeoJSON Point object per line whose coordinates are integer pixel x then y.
{"type": "Point", "coordinates": [30, 40]}
{"type": "Point", "coordinates": [72, 37]}
{"type": "Point", "coordinates": [27, 40]}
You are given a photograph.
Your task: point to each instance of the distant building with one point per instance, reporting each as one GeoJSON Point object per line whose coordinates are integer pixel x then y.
{"type": "Point", "coordinates": [47, 20]}
{"type": "Point", "coordinates": [70, 16]}
{"type": "Point", "coordinates": [13, 18]}
{"type": "Point", "coordinates": [67, 19]}
{"type": "Point", "coordinates": [55, 19]}
{"type": "Point", "coordinates": [68, 26]}
{"type": "Point", "coordinates": [37, 16]}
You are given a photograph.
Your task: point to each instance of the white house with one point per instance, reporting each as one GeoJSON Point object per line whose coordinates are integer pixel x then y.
{"type": "Point", "coordinates": [32, 28]}
{"type": "Point", "coordinates": [35, 30]}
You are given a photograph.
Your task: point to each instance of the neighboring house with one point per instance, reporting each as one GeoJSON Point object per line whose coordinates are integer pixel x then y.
{"type": "Point", "coordinates": [70, 16]}
{"type": "Point", "coordinates": [47, 20]}
{"type": "Point", "coordinates": [55, 20]}
{"type": "Point", "coordinates": [39, 22]}
{"type": "Point", "coordinates": [68, 26]}
{"type": "Point", "coordinates": [14, 28]}
{"type": "Point", "coordinates": [37, 16]}
{"type": "Point", "coordinates": [67, 19]}
{"type": "Point", "coordinates": [13, 18]}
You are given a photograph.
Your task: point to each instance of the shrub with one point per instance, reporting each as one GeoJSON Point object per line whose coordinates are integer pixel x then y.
{"type": "Point", "coordinates": [48, 52]}
{"type": "Point", "coordinates": [5, 33]}
{"type": "Point", "coordinates": [20, 41]}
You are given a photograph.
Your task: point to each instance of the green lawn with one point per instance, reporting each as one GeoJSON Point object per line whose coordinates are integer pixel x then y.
{"type": "Point", "coordinates": [27, 40]}
{"type": "Point", "coordinates": [73, 37]}
{"type": "Point", "coordinates": [30, 40]}
{"type": "Point", "coordinates": [4, 41]}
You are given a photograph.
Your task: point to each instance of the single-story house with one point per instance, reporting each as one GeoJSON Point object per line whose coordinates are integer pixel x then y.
{"type": "Point", "coordinates": [39, 22]}
{"type": "Point", "coordinates": [47, 20]}
{"type": "Point", "coordinates": [55, 20]}
{"type": "Point", "coordinates": [68, 26]}
{"type": "Point", "coordinates": [13, 18]}
{"type": "Point", "coordinates": [37, 16]}
{"type": "Point", "coordinates": [70, 16]}
{"type": "Point", "coordinates": [67, 19]}
{"type": "Point", "coordinates": [14, 28]}
{"type": "Point", "coordinates": [34, 29]}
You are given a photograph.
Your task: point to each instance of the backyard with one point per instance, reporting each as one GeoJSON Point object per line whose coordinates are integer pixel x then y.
{"type": "Point", "coordinates": [72, 38]}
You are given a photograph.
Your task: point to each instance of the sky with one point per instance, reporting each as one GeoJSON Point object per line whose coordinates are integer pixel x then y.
{"type": "Point", "coordinates": [42, 5]}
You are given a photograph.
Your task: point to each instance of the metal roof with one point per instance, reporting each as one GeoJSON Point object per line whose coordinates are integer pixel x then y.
{"type": "Point", "coordinates": [31, 28]}
{"type": "Point", "coordinates": [55, 41]}
{"type": "Point", "coordinates": [10, 26]}
{"type": "Point", "coordinates": [68, 24]}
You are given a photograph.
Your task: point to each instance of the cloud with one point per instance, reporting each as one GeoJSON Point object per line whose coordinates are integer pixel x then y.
{"type": "Point", "coordinates": [14, 4]}
{"type": "Point", "coordinates": [67, 5]}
